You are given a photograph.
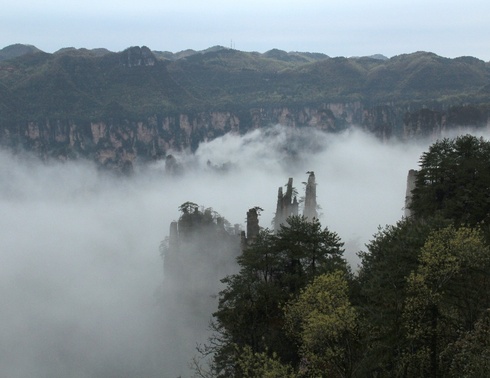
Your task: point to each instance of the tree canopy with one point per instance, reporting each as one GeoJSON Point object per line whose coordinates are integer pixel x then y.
{"type": "Point", "coordinates": [325, 325]}
{"type": "Point", "coordinates": [274, 270]}
{"type": "Point", "coordinates": [454, 181]}
{"type": "Point", "coordinates": [418, 306]}
{"type": "Point", "coordinates": [447, 294]}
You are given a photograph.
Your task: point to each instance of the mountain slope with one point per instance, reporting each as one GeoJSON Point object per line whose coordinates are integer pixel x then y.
{"type": "Point", "coordinates": [117, 107]}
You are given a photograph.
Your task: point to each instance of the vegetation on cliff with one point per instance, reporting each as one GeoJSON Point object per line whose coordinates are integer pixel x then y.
{"type": "Point", "coordinates": [274, 269]}
{"type": "Point", "coordinates": [114, 108]}
{"type": "Point", "coordinates": [454, 181]}
{"type": "Point", "coordinates": [88, 84]}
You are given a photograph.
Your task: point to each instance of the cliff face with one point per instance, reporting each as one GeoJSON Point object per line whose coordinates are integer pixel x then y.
{"type": "Point", "coordinates": [118, 143]}
{"type": "Point", "coordinates": [199, 252]}
{"type": "Point", "coordinates": [115, 108]}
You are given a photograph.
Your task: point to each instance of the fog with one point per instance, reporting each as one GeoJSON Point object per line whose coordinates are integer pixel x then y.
{"type": "Point", "coordinates": [80, 265]}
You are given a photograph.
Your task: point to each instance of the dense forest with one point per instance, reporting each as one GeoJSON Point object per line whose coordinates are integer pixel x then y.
{"type": "Point", "coordinates": [138, 83]}
{"type": "Point", "coordinates": [419, 305]}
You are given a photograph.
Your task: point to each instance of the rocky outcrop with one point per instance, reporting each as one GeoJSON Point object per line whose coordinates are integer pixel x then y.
{"type": "Point", "coordinates": [116, 143]}
{"type": "Point", "coordinates": [310, 208]}
{"type": "Point", "coordinates": [287, 205]}
{"type": "Point", "coordinates": [137, 56]}
{"type": "Point", "coordinates": [411, 183]}
{"type": "Point", "coordinates": [253, 228]}
{"type": "Point", "coordinates": [197, 254]}
{"type": "Point", "coordinates": [427, 122]}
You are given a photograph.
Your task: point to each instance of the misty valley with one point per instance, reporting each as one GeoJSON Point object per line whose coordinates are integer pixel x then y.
{"type": "Point", "coordinates": [84, 287]}
{"type": "Point", "coordinates": [220, 213]}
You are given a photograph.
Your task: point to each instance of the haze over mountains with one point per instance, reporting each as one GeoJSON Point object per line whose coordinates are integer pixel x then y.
{"type": "Point", "coordinates": [80, 254]}
{"type": "Point", "coordinates": [139, 105]}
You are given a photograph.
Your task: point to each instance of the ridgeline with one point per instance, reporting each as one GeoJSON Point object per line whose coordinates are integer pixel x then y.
{"type": "Point", "coordinates": [115, 108]}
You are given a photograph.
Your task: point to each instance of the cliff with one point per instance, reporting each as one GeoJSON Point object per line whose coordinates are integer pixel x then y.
{"type": "Point", "coordinates": [199, 251]}
{"type": "Point", "coordinates": [118, 143]}
{"type": "Point", "coordinates": [116, 108]}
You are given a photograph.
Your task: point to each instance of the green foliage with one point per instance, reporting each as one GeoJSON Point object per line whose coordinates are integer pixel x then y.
{"type": "Point", "coordinates": [90, 85]}
{"type": "Point", "coordinates": [447, 294]}
{"type": "Point", "coordinates": [253, 365]}
{"type": "Point", "coordinates": [471, 352]}
{"type": "Point", "coordinates": [273, 271]}
{"type": "Point", "coordinates": [454, 181]}
{"type": "Point", "coordinates": [188, 208]}
{"type": "Point", "coordinates": [249, 308]}
{"type": "Point", "coordinates": [390, 258]}
{"type": "Point", "coordinates": [307, 251]}
{"type": "Point", "coordinates": [423, 283]}
{"type": "Point", "coordinates": [16, 50]}
{"type": "Point", "coordinates": [417, 308]}
{"type": "Point", "coordinates": [195, 218]}
{"type": "Point", "coordinates": [324, 323]}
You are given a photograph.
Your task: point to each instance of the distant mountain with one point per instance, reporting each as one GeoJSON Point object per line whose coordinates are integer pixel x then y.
{"type": "Point", "coordinates": [14, 51]}
{"type": "Point", "coordinates": [378, 56]}
{"type": "Point", "coordinates": [299, 57]}
{"type": "Point", "coordinates": [294, 57]}
{"type": "Point", "coordinates": [82, 51]}
{"type": "Point", "coordinates": [144, 103]}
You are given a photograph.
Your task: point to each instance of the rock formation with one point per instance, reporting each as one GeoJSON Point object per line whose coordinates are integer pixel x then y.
{"type": "Point", "coordinates": [111, 142]}
{"type": "Point", "coordinates": [287, 205]}
{"type": "Point", "coordinates": [253, 227]}
{"type": "Point", "coordinates": [137, 104]}
{"type": "Point", "coordinates": [411, 181]}
{"type": "Point", "coordinates": [310, 208]}
{"type": "Point", "coordinates": [201, 236]}
{"type": "Point", "coordinates": [201, 250]}
{"type": "Point", "coordinates": [137, 56]}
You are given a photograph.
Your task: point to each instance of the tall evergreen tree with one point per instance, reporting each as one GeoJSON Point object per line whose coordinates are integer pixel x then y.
{"type": "Point", "coordinates": [454, 181]}
{"type": "Point", "coordinates": [273, 271]}
{"type": "Point", "coordinates": [382, 280]}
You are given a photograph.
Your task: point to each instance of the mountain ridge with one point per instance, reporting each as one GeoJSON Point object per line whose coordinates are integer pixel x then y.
{"type": "Point", "coordinates": [140, 104]}
{"type": "Point", "coordinates": [23, 49]}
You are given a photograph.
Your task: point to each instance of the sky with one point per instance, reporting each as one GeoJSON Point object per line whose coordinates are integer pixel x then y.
{"type": "Point", "coordinates": [335, 27]}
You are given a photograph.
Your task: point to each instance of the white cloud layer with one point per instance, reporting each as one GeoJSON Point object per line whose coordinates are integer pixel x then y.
{"type": "Point", "coordinates": [80, 249]}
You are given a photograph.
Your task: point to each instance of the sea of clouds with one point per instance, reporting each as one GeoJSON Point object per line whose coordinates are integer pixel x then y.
{"type": "Point", "coordinates": [80, 264]}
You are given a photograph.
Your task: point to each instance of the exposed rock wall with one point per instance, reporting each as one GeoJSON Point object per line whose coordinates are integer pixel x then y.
{"type": "Point", "coordinates": [310, 209]}
{"type": "Point", "coordinates": [287, 205]}
{"type": "Point", "coordinates": [253, 228]}
{"type": "Point", "coordinates": [199, 252]}
{"type": "Point", "coordinates": [116, 142]}
{"type": "Point", "coordinates": [411, 183]}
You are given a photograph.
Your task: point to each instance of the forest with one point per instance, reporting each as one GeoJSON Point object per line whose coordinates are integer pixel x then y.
{"type": "Point", "coordinates": [417, 306]}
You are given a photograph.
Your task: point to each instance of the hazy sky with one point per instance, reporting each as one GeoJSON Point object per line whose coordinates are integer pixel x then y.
{"type": "Point", "coordinates": [334, 27]}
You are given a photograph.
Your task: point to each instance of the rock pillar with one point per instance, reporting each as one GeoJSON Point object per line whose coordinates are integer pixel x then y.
{"type": "Point", "coordinates": [310, 211]}
{"type": "Point", "coordinates": [411, 181]}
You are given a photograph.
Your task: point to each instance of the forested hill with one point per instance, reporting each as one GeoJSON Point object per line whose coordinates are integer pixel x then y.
{"type": "Point", "coordinates": [77, 102]}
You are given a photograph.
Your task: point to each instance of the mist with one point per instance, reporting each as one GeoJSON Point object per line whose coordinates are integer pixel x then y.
{"type": "Point", "coordinates": [81, 268]}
